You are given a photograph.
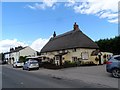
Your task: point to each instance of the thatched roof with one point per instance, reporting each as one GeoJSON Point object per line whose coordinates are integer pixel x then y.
{"type": "Point", "coordinates": [69, 40]}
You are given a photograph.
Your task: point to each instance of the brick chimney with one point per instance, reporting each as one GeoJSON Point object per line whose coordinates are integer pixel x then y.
{"type": "Point", "coordinates": [76, 27]}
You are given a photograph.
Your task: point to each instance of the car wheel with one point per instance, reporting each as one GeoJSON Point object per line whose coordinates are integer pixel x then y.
{"type": "Point", "coordinates": [13, 66]}
{"type": "Point", "coordinates": [116, 73]}
{"type": "Point", "coordinates": [23, 68]}
{"type": "Point", "coordinates": [37, 68]}
{"type": "Point", "coordinates": [16, 66]}
{"type": "Point", "coordinates": [28, 69]}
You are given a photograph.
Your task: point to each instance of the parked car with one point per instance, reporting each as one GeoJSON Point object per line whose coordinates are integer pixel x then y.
{"type": "Point", "coordinates": [18, 64]}
{"type": "Point", "coordinates": [113, 66]}
{"type": "Point", "coordinates": [31, 64]}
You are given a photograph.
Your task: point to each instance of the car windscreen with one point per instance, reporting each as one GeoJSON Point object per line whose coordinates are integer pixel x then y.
{"type": "Point", "coordinates": [33, 62]}
{"type": "Point", "coordinates": [18, 62]}
{"type": "Point", "coordinates": [118, 58]}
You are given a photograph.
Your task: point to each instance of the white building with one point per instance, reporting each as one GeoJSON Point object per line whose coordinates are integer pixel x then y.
{"type": "Point", "coordinates": [14, 54]}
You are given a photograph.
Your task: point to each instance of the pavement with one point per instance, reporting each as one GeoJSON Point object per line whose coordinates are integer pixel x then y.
{"type": "Point", "coordinates": [88, 74]}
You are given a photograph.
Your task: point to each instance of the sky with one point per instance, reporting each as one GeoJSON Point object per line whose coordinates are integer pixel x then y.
{"type": "Point", "coordinates": [33, 23]}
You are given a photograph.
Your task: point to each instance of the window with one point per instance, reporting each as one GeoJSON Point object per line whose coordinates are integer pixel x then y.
{"type": "Point", "coordinates": [118, 58]}
{"type": "Point", "coordinates": [84, 55]}
{"type": "Point", "coordinates": [74, 59]}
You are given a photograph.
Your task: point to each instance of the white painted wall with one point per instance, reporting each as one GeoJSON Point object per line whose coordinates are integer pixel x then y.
{"type": "Point", "coordinates": [24, 52]}
{"type": "Point", "coordinates": [28, 52]}
{"type": "Point", "coordinates": [6, 56]}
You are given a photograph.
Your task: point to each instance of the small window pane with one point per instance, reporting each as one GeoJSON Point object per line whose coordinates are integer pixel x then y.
{"type": "Point", "coordinates": [85, 55]}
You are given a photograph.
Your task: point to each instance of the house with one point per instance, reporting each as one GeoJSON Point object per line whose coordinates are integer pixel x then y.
{"type": "Point", "coordinates": [71, 46]}
{"type": "Point", "coordinates": [14, 53]}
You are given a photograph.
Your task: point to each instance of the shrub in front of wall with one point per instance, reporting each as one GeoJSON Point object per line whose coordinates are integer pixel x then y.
{"type": "Point", "coordinates": [49, 65]}
{"type": "Point", "coordinates": [96, 59]}
{"type": "Point", "coordinates": [105, 61]}
{"type": "Point", "coordinates": [69, 64]}
{"type": "Point", "coordinates": [88, 63]}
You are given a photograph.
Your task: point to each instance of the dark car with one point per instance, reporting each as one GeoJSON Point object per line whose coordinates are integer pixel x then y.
{"type": "Point", "coordinates": [113, 66]}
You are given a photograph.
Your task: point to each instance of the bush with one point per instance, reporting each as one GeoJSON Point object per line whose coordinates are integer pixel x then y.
{"type": "Point", "coordinates": [49, 65]}
{"type": "Point", "coordinates": [96, 59]}
{"type": "Point", "coordinates": [69, 64]}
{"type": "Point", "coordinates": [87, 63]}
{"type": "Point", "coordinates": [22, 58]}
{"type": "Point", "coordinates": [104, 61]}
{"type": "Point", "coordinates": [66, 64]}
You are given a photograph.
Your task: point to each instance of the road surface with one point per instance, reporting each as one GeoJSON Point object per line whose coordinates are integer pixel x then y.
{"type": "Point", "coordinates": [16, 78]}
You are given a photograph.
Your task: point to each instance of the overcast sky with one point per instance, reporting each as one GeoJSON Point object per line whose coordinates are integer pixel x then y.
{"type": "Point", "coordinates": [33, 23]}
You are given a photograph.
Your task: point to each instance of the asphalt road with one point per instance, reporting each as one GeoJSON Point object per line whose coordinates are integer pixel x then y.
{"type": "Point", "coordinates": [17, 78]}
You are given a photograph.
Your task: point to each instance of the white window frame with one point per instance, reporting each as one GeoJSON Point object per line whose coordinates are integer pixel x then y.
{"type": "Point", "coordinates": [85, 55]}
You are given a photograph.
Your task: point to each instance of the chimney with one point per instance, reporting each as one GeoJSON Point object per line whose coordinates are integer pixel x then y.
{"type": "Point", "coordinates": [76, 27]}
{"type": "Point", "coordinates": [11, 49]}
{"type": "Point", "coordinates": [54, 35]}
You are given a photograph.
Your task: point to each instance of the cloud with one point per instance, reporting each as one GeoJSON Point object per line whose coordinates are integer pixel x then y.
{"type": "Point", "coordinates": [113, 20]}
{"type": "Point", "coordinates": [70, 3]}
{"type": "Point", "coordinates": [102, 8]}
{"type": "Point", "coordinates": [31, 7]}
{"type": "Point", "coordinates": [45, 4]}
{"type": "Point", "coordinates": [38, 44]}
{"type": "Point", "coordinates": [5, 45]}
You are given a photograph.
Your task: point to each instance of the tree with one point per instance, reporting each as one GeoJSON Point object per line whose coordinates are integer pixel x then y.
{"type": "Point", "coordinates": [110, 45]}
{"type": "Point", "coordinates": [22, 58]}
{"type": "Point", "coordinates": [2, 56]}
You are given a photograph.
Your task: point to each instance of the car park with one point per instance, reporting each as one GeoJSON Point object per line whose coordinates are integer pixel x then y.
{"type": "Point", "coordinates": [31, 64]}
{"type": "Point", "coordinates": [113, 66]}
{"type": "Point", "coordinates": [18, 64]}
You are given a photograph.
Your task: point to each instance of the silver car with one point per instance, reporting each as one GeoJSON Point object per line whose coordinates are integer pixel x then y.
{"type": "Point", "coordinates": [18, 64]}
{"type": "Point", "coordinates": [113, 66]}
{"type": "Point", "coordinates": [31, 64]}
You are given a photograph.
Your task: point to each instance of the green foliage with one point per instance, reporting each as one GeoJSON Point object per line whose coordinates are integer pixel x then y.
{"type": "Point", "coordinates": [96, 59]}
{"type": "Point", "coordinates": [104, 61]}
{"type": "Point", "coordinates": [110, 45]}
{"type": "Point", "coordinates": [87, 63]}
{"type": "Point", "coordinates": [50, 65]}
{"type": "Point", "coordinates": [22, 58]}
{"type": "Point", "coordinates": [69, 64]}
